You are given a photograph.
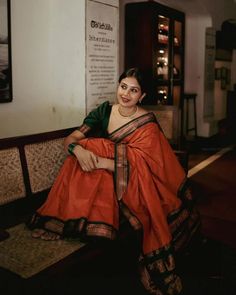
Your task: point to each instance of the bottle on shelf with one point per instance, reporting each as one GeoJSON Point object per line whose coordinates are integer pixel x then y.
{"type": "Point", "coordinates": [161, 96]}
{"type": "Point", "coordinates": [162, 65]}
{"type": "Point", "coordinates": [176, 41]}
{"type": "Point", "coordinates": [163, 33]}
{"type": "Point", "coordinates": [176, 73]}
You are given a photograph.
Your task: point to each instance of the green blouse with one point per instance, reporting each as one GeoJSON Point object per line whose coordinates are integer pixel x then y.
{"type": "Point", "coordinates": [96, 122]}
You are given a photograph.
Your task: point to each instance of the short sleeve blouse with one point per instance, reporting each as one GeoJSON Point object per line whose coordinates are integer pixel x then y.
{"type": "Point", "coordinates": [96, 122]}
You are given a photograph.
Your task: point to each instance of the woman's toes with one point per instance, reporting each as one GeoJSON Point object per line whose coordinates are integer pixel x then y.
{"type": "Point", "coordinates": [37, 233]}
{"type": "Point", "coordinates": [49, 236]}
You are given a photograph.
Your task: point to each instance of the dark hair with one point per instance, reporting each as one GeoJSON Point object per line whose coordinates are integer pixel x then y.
{"type": "Point", "coordinates": [137, 74]}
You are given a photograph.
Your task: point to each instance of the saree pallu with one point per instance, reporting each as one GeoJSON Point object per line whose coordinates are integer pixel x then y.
{"type": "Point", "coordinates": [148, 186]}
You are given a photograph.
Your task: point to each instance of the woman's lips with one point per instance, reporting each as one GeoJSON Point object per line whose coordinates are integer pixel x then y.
{"type": "Point", "coordinates": [125, 100]}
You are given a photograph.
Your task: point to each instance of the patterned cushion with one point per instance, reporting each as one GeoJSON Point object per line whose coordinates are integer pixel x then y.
{"type": "Point", "coordinates": [44, 161]}
{"type": "Point", "coordinates": [11, 176]}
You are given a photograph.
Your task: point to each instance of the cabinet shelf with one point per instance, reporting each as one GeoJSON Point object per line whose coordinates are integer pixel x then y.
{"type": "Point", "coordinates": [177, 81]}
{"type": "Point", "coordinates": [154, 38]}
{"type": "Point", "coordinates": [163, 44]}
{"type": "Point", "coordinates": [162, 82]}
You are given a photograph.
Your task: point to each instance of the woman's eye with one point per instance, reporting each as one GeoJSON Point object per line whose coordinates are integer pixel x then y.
{"type": "Point", "coordinates": [134, 90]}
{"type": "Point", "coordinates": [123, 87]}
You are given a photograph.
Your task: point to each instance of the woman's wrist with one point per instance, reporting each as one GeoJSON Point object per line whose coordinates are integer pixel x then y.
{"type": "Point", "coordinates": [105, 163]}
{"type": "Point", "coordinates": [111, 165]}
{"type": "Point", "coordinates": [71, 147]}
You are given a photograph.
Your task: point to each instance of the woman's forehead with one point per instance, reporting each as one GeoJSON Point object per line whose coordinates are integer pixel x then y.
{"type": "Point", "coordinates": [131, 82]}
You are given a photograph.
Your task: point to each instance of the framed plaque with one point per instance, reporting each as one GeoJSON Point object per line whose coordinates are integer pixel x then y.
{"type": "Point", "coordinates": [5, 52]}
{"type": "Point", "coordinates": [101, 52]}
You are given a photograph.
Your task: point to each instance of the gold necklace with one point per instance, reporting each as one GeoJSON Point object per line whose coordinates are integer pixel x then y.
{"type": "Point", "coordinates": [130, 115]}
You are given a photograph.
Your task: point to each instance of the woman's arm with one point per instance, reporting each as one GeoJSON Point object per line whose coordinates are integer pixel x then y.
{"type": "Point", "coordinates": [74, 137]}
{"type": "Point", "coordinates": [87, 159]}
{"type": "Point", "coordinates": [105, 163]}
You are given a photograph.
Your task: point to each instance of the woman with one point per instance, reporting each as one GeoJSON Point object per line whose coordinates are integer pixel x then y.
{"type": "Point", "coordinates": [129, 168]}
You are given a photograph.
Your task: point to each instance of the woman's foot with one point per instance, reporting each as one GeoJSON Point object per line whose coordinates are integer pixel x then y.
{"type": "Point", "coordinates": [49, 236]}
{"type": "Point", "coordinates": [45, 235]}
{"type": "Point", "coordinates": [37, 233]}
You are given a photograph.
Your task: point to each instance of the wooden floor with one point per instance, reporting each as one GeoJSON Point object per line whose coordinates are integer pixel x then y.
{"type": "Point", "coordinates": [213, 266]}
{"type": "Point", "coordinates": [208, 268]}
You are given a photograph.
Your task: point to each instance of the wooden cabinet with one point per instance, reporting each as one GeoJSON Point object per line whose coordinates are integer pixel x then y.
{"type": "Point", "coordinates": [154, 41]}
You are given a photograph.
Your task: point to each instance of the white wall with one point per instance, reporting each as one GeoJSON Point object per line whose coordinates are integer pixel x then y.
{"type": "Point", "coordinates": [48, 60]}
{"type": "Point", "coordinates": [48, 55]}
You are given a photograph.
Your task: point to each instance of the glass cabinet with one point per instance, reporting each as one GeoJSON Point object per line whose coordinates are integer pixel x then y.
{"type": "Point", "coordinates": [154, 41]}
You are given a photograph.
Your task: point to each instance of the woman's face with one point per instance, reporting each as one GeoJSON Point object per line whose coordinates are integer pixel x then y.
{"type": "Point", "coordinates": [129, 92]}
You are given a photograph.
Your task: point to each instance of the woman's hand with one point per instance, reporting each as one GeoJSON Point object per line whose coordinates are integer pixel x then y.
{"type": "Point", "coordinates": [88, 160]}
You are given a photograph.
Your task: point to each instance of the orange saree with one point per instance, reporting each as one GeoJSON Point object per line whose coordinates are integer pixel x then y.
{"type": "Point", "coordinates": [148, 186]}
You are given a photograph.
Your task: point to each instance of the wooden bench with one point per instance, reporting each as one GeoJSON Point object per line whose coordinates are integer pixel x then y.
{"type": "Point", "coordinates": [28, 167]}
